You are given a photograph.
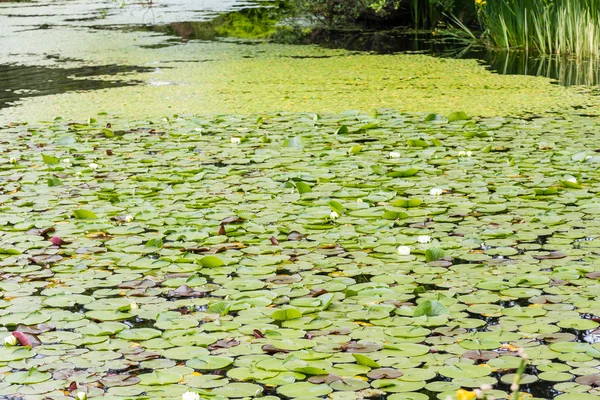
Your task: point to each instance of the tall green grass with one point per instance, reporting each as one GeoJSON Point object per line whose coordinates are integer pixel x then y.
{"type": "Point", "coordinates": [566, 27]}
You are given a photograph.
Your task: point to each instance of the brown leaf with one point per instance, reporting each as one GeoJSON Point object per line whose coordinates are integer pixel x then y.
{"type": "Point", "coordinates": [364, 347]}
{"type": "Point", "coordinates": [221, 230]}
{"type": "Point", "coordinates": [224, 344]}
{"type": "Point", "coordinates": [270, 349]}
{"type": "Point", "coordinates": [324, 379]}
{"type": "Point", "coordinates": [35, 329]}
{"type": "Point", "coordinates": [258, 334]}
{"type": "Point", "coordinates": [119, 380]}
{"type": "Point", "coordinates": [593, 275]}
{"type": "Point", "coordinates": [385, 373]}
{"type": "Point", "coordinates": [274, 240]}
{"type": "Point", "coordinates": [555, 255]}
{"type": "Point", "coordinates": [295, 236]}
{"type": "Point", "coordinates": [590, 380]}
{"type": "Point", "coordinates": [480, 355]}
{"type": "Point", "coordinates": [145, 283]}
{"type": "Point", "coordinates": [185, 291]}
{"type": "Point", "coordinates": [284, 279]}
{"type": "Point", "coordinates": [234, 219]}
{"type": "Point", "coordinates": [45, 259]}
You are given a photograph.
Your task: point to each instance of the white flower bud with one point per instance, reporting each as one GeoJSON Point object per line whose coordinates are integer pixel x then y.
{"type": "Point", "coordinates": [359, 200]}
{"type": "Point", "coordinates": [394, 154]}
{"type": "Point", "coordinates": [436, 192]}
{"type": "Point", "coordinates": [134, 306]}
{"type": "Point", "coordinates": [469, 153]}
{"type": "Point", "coordinates": [13, 160]}
{"type": "Point", "coordinates": [93, 166]}
{"type": "Point", "coordinates": [81, 396]}
{"type": "Point", "coordinates": [66, 160]}
{"type": "Point", "coordinates": [403, 251]}
{"type": "Point", "coordinates": [424, 239]}
{"type": "Point", "coordinates": [333, 216]}
{"type": "Point", "coordinates": [129, 218]}
{"type": "Point", "coordinates": [572, 179]}
{"type": "Point", "coordinates": [190, 396]}
{"type": "Point", "coordinates": [10, 340]}
{"type": "Point", "coordinates": [235, 140]}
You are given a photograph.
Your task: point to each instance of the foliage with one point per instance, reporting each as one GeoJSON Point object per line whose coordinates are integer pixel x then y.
{"type": "Point", "coordinates": [546, 26]}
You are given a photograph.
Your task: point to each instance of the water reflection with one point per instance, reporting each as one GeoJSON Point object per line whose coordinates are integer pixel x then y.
{"type": "Point", "coordinates": [257, 22]}
{"type": "Point", "coordinates": [21, 81]}
{"type": "Point", "coordinates": [566, 72]}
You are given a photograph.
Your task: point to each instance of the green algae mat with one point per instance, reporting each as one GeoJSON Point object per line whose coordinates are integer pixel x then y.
{"type": "Point", "coordinates": [349, 256]}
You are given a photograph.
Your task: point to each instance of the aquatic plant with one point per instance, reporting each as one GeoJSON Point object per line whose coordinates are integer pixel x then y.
{"type": "Point", "coordinates": [545, 26]}
{"type": "Point", "coordinates": [190, 264]}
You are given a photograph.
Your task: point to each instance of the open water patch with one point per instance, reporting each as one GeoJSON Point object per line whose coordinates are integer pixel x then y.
{"type": "Point", "coordinates": [21, 81]}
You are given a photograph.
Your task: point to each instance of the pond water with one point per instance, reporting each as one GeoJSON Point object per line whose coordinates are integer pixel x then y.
{"type": "Point", "coordinates": [155, 46]}
{"type": "Point", "coordinates": [188, 206]}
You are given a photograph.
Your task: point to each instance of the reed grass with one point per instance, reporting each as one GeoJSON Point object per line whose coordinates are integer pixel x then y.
{"type": "Point", "coordinates": [565, 27]}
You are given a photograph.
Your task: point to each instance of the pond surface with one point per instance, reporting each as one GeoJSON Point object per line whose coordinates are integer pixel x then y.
{"type": "Point", "coordinates": [97, 45]}
{"type": "Point", "coordinates": [202, 209]}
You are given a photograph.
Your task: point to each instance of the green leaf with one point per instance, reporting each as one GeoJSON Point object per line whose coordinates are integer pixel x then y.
{"type": "Point", "coordinates": [337, 207]}
{"type": "Point", "coordinates": [433, 117]}
{"type": "Point", "coordinates": [156, 242]}
{"type": "Point", "coordinates": [54, 182]}
{"type": "Point", "coordinates": [364, 360]}
{"type": "Point", "coordinates": [109, 133]}
{"type": "Point", "coordinates": [80, 213]}
{"type": "Point", "coordinates": [48, 159]}
{"type": "Point", "coordinates": [343, 129]}
{"type": "Point", "coordinates": [430, 308]}
{"type": "Point", "coordinates": [355, 149]}
{"type": "Point", "coordinates": [303, 187]}
{"type": "Point", "coordinates": [403, 173]}
{"type": "Point", "coordinates": [417, 143]}
{"type": "Point", "coordinates": [286, 314]}
{"type": "Point", "coordinates": [407, 203]}
{"type": "Point", "coordinates": [211, 262]}
{"type": "Point", "coordinates": [457, 116]}
{"type": "Point", "coordinates": [434, 254]}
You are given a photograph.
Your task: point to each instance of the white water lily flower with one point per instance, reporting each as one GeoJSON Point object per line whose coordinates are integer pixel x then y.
{"type": "Point", "coordinates": [436, 192]}
{"type": "Point", "coordinates": [334, 215]}
{"type": "Point", "coordinates": [403, 251]}
{"type": "Point", "coordinates": [78, 173]}
{"type": "Point", "coordinates": [13, 160]}
{"type": "Point", "coordinates": [572, 179]}
{"type": "Point", "coordinates": [81, 396]}
{"type": "Point", "coordinates": [190, 396]}
{"type": "Point", "coordinates": [134, 306]}
{"type": "Point", "coordinates": [469, 153]}
{"type": "Point", "coordinates": [394, 154]}
{"type": "Point", "coordinates": [462, 154]}
{"type": "Point", "coordinates": [424, 239]}
{"type": "Point", "coordinates": [486, 387]}
{"type": "Point", "coordinates": [66, 160]}
{"type": "Point", "coordinates": [129, 218]}
{"type": "Point", "coordinates": [93, 166]}
{"type": "Point", "coordinates": [235, 140]}
{"type": "Point", "coordinates": [10, 341]}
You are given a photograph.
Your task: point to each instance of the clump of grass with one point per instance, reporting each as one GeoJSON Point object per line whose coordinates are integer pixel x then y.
{"type": "Point", "coordinates": [566, 27]}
